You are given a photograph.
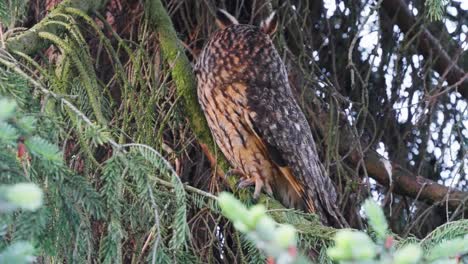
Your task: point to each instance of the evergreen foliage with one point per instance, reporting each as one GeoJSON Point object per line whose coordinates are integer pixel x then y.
{"type": "Point", "coordinates": [24, 196]}
{"type": "Point", "coordinates": [436, 8]}
{"type": "Point", "coordinates": [97, 123]}
{"type": "Point", "coordinates": [358, 247]}
{"type": "Point", "coordinates": [351, 246]}
{"type": "Point", "coordinates": [12, 10]}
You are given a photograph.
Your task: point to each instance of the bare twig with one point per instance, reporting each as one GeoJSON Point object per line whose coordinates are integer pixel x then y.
{"type": "Point", "coordinates": [427, 44]}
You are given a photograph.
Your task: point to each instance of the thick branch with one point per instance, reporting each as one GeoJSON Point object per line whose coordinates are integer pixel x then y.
{"type": "Point", "coordinates": [403, 181]}
{"type": "Point", "coordinates": [406, 183]}
{"type": "Point", "coordinates": [29, 41]}
{"type": "Point", "coordinates": [427, 45]}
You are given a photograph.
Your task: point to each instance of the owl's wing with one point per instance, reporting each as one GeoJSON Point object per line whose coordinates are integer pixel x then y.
{"type": "Point", "coordinates": [280, 124]}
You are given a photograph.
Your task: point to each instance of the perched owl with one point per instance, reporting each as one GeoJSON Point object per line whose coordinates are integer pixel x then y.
{"type": "Point", "coordinates": [244, 92]}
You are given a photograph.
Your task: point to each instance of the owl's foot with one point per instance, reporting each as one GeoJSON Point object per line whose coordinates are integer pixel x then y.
{"type": "Point", "coordinates": [233, 172]}
{"type": "Point", "coordinates": [259, 185]}
{"type": "Point", "coordinates": [246, 182]}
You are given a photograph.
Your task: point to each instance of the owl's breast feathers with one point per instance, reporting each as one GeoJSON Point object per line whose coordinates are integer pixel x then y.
{"type": "Point", "coordinates": [244, 92]}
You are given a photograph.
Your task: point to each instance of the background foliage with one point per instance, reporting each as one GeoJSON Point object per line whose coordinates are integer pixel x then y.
{"type": "Point", "coordinates": [103, 130]}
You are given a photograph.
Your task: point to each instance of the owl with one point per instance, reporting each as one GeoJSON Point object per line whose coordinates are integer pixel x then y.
{"type": "Point", "coordinates": [245, 95]}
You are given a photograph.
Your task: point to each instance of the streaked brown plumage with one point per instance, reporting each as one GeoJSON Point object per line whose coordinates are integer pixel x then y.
{"type": "Point", "coordinates": [244, 91]}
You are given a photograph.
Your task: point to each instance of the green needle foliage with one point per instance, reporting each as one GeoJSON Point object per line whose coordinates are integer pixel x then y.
{"type": "Point", "coordinates": [12, 10]}
{"type": "Point", "coordinates": [358, 247]}
{"type": "Point", "coordinates": [20, 252]}
{"type": "Point", "coordinates": [29, 156]}
{"type": "Point", "coordinates": [278, 242]}
{"type": "Point", "coordinates": [436, 9]}
{"type": "Point", "coordinates": [23, 196]}
{"type": "Point", "coordinates": [99, 127]}
{"type": "Point", "coordinates": [26, 196]}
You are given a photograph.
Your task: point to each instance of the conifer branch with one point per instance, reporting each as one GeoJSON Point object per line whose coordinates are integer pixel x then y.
{"type": "Point", "coordinates": [12, 64]}
{"type": "Point", "coordinates": [186, 187]}
{"type": "Point", "coordinates": [29, 42]}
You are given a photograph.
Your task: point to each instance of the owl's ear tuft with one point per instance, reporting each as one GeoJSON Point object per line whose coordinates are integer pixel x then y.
{"type": "Point", "coordinates": [224, 19]}
{"type": "Point", "coordinates": [270, 25]}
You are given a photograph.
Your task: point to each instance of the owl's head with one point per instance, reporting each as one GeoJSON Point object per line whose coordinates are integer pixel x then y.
{"type": "Point", "coordinates": [267, 26]}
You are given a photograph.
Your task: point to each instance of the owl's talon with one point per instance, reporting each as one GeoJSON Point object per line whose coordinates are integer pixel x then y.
{"type": "Point", "coordinates": [259, 185]}
{"type": "Point", "coordinates": [268, 189]}
{"type": "Point", "coordinates": [258, 190]}
{"type": "Point", "coordinates": [245, 183]}
{"type": "Point", "coordinates": [233, 172]}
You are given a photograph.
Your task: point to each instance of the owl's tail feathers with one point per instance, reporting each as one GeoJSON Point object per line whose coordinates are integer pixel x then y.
{"type": "Point", "coordinates": [324, 203]}
{"type": "Point", "coordinates": [318, 196]}
{"type": "Point", "coordinates": [326, 208]}
{"type": "Point", "coordinates": [332, 204]}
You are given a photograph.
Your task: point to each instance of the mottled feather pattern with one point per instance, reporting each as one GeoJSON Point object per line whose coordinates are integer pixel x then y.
{"type": "Point", "coordinates": [244, 91]}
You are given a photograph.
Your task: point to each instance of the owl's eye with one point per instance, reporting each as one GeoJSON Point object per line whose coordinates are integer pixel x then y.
{"type": "Point", "coordinates": [224, 19]}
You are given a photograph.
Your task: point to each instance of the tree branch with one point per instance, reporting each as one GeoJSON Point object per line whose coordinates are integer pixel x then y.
{"type": "Point", "coordinates": [182, 74]}
{"type": "Point", "coordinates": [29, 42]}
{"type": "Point", "coordinates": [427, 45]}
{"type": "Point", "coordinates": [409, 184]}
{"type": "Point", "coordinates": [403, 181]}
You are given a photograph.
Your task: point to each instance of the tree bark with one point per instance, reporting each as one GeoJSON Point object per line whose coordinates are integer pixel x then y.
{"type": "Point", "coordinates": [174, 54]}
{"type": "Point", "coordinates": [406, 183]}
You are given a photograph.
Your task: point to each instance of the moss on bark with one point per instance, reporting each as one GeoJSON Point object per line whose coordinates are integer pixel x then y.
{"type": "Point", "coordinates": [182, 74]}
